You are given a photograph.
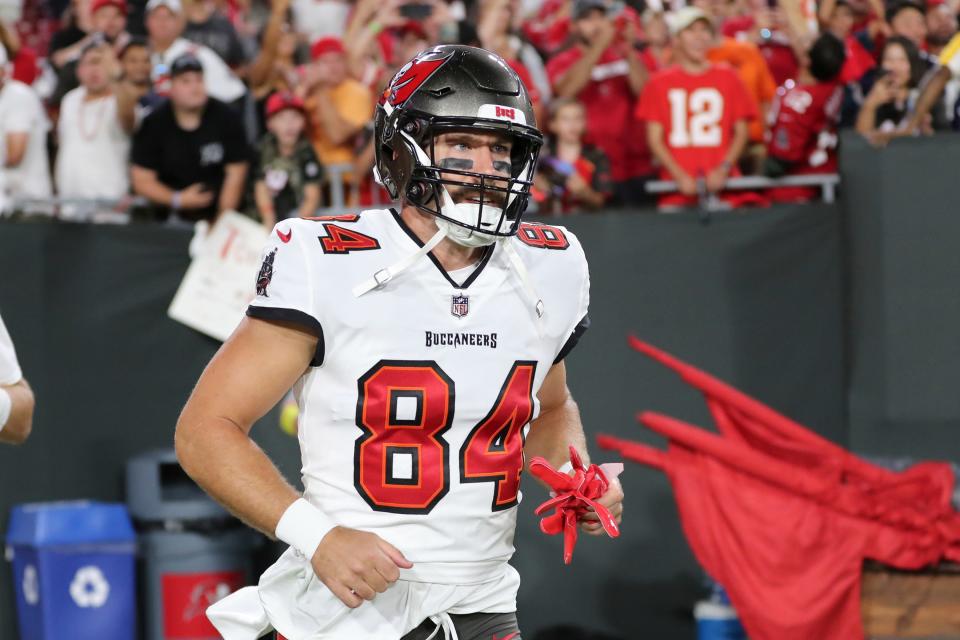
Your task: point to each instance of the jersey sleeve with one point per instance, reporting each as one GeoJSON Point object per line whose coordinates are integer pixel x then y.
{"type": "Point", "coordinates": [950, 56]}
{"type": "Point", "coordinates": [284, 285]}
{"type": "Point", "coordinates": [581, 317]}
{"type": "Point", "coordinates": [9, 366]}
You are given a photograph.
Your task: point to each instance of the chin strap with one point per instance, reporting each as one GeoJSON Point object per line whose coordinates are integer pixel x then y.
{"type": "Point", "coordinates": [382, 277]}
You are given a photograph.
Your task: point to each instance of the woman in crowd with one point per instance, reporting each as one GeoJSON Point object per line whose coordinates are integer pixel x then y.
{"type": "Point", "coordinates": [893, 97]}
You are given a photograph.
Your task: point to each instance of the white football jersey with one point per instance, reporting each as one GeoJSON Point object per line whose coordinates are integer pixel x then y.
{"type": "Point", "coordinates": [414, 411]}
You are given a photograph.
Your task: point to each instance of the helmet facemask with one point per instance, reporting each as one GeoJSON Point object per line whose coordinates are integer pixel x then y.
{"type": "Point", "coordinates": [500, 198]}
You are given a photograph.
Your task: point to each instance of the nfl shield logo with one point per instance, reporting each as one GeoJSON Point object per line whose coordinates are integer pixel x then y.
{"type": "Point", "coordinates": [460, 306]}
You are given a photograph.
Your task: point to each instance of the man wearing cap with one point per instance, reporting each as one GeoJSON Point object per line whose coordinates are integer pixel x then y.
{"type": "Point", "coordinates": [165, 24]}
{"type": "Point", "coordinates": [286, 173]}
{"type": "Point", "coordinates": [696, 113]}
{"type": "Point", "coordinates": [108, 24]}
{"type": "Point", "coordinates": [603, 71]}
{"type": "Point", "coordinates": [94, 147]}
{"type": "Point", "coordinates": [25, 171]}
{"type": "Point", "coordinates": [338, 106]}
{"type": "Point", "coordinates": [190, 156]}
{"type": "Point", "coordinates": [16, 397]}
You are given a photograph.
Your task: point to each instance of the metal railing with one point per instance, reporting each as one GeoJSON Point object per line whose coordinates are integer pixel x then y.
{"type": "Point", "coordinates": [100, 210]}
{"type": "Point", "coordinates": [339, 200]}
{"type": "Point", "coordinates": [826, 182]}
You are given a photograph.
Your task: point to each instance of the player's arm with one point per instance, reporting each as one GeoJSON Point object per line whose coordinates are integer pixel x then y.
{"type": "Point", "coordinates": [248, 376]}
{"type": "Point", "coordinates": [557, 428]}
{"type": "Point", "coordinates": [255, 367]}
{"type": "Point", "coordinates": [19, 421]}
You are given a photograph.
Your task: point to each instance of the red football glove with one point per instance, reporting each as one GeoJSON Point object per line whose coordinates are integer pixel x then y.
{"type": "Point", "coordinates": [573, 497]}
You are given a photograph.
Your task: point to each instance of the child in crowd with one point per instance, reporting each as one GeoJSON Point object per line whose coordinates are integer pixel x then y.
{"type": "Point", "coordinates": [803, 138]}
{"type": "Point", "coordinates": [287, 174]}
{"type": "Point", "coordinates": [572, 176]}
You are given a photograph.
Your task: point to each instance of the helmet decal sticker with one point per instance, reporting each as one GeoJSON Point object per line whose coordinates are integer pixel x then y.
{"type": "Point", "coordinates": [412, 76]}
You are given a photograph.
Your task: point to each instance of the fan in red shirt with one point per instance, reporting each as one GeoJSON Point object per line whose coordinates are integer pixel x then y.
{"type": "Point", "coordinates": [603, 71]}
{"type": "Point", "coordinates": [803, 139]}
{"type": "Point", "coordinates": [696, 113]}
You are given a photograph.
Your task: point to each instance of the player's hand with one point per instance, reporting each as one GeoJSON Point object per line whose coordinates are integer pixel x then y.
{"type": "Point", "coordinates": [686, 184]}
{"type": "Point", "coordinates": [196, 196]}
{"type": "Point", "coordinates": [613, 501]}
{"type": "Point", "coordinates": [717, 179]}
{"type": "Point", "coordinates": [357, 565]}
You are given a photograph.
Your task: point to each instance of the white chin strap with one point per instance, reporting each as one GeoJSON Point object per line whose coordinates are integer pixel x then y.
{"type": "Point", "coordinates": [382, 277]}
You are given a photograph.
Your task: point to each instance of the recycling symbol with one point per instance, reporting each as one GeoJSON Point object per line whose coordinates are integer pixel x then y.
{"type": "Point", "coordinates": [31, 585]}
{"type": "Point", "coordinates": [89, 587]}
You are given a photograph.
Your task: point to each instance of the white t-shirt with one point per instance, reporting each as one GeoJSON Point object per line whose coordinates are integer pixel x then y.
{"type": "Point", "coordinates": [22, 112]}
{"type": "Point", "coordinates": [94, 148]}
{"type": "Point", "coordinates": [413, 415]}
{"type": "Point", "coordinates": [319, 18]}
{"type": "Point", "coordinates": [219, 79]}
{"type": "Point", "coordinates": [9, 367]}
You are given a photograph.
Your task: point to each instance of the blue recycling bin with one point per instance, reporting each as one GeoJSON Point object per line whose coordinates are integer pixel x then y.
{"type": "Point", "coordinates": [73, 570]}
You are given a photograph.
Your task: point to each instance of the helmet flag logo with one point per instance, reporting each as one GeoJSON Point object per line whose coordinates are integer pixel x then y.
{"type": "Point", "coordinates": [411, 76]}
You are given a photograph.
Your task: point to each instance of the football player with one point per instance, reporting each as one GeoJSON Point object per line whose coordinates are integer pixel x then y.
{"type": "Point", "coordinates": [425, 346]}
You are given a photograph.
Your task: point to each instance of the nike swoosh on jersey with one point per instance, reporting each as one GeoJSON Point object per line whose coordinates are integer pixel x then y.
{"type": "Point", "coordinates": [285, 238]}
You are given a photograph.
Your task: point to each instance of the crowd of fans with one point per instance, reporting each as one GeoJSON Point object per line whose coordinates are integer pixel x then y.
{"type": "Point", "coordinates": [265, 106]}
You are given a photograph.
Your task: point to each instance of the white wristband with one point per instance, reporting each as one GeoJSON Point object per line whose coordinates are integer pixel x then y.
{"type": "Point", "coordinates": [303, 526]}
{"type": "Point", "coordinates": [6, 405]}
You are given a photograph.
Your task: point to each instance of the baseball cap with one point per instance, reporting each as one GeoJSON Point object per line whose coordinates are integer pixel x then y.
{"type": "Point", "coordinates": [329, 44]}
{"type": "Point", "coordinates": [680, 19]}
{"type": "Point", "coordinates": [411, 26]}
{"type": "Point", "coordinates": [283, 100]}
{"type": "Point", "coordinates": [172, 5]}
{"type": "Point", "coordinates": [583, 7]}
{"type": "Point", "coordinates": [185, 63]}
{"type": "Point", "coordinates": [96, 5]}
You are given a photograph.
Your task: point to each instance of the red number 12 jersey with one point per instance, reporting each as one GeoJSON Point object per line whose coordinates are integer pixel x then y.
{"type": "Point", "coordinates": [697, 112]}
